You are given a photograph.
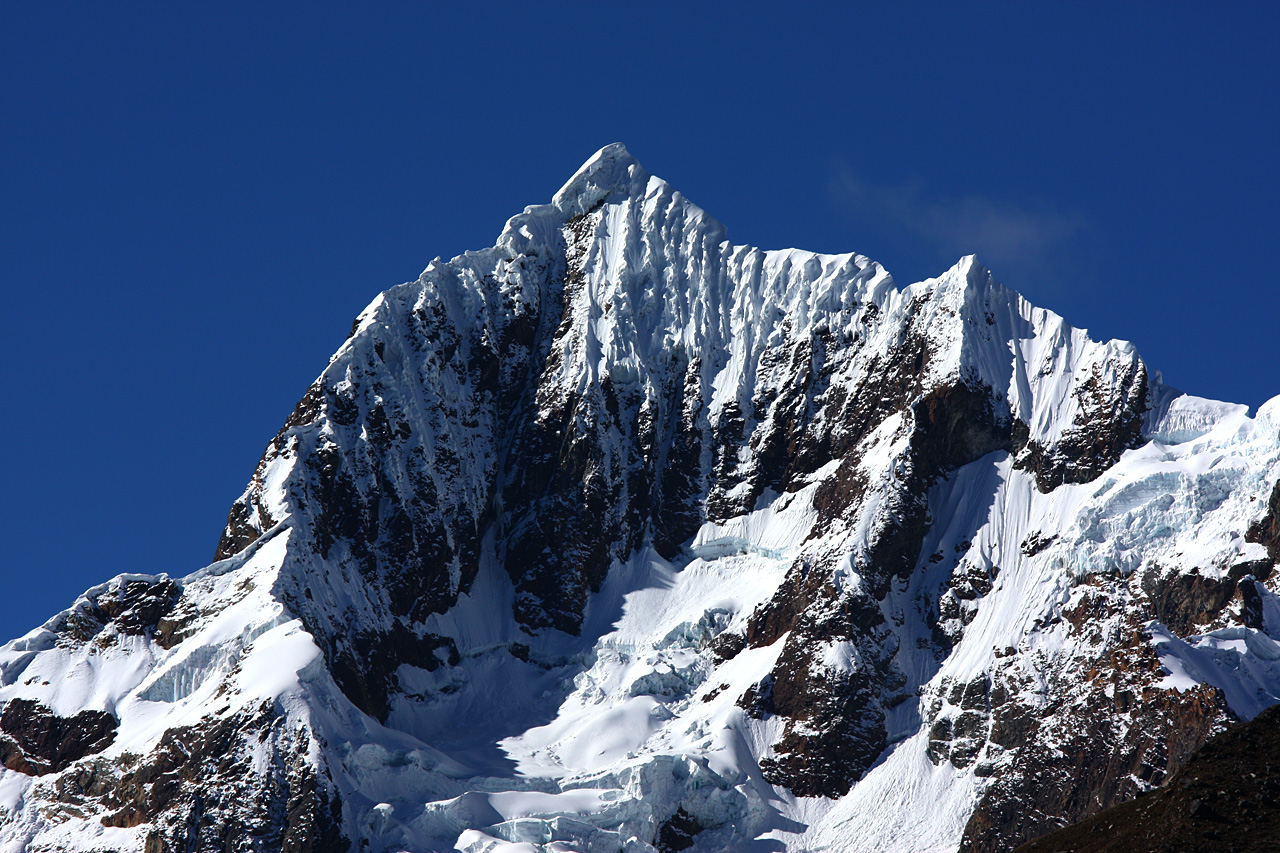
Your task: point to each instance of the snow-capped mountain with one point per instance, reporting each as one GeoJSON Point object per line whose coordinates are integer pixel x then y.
{"type": "Point", "coordinates": [619, 536]}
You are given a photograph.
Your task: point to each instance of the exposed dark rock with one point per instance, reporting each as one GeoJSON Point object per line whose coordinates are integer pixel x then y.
{"type": "Point", "coordinates": [728, 433]}
{"type": "Point", "coordinates": [1266, 530]}
{"type": "Point", "coordinates": [1124, 736]}
{"type": "Point", "coordinates": [248, 519]}
{"type": "Point", "coordinates": [364, 664]}
{"type": "Point", "coordinates": [560, 489]}
{"type": "Point", "coordinates": [556, 548]}
{"type": "Point", "coordinates": [958, 729]}
{"type": "Point", "coordinates": [1108, 423]}
{"type": "Point", "coordinates": [835, 720]}
{"type": "Point", "coordinates": [958, 601]}
{"type": "Point", "coordinates": [1250, 602]}
{"type": "Point", "coordinates": [757, 701]}
{"type": "Point", "coordinates": [678, 504]}
{"type": "Point", "coordinates": [835, 727]}
{"type": "Point", "coordinates": [1225, 798]}
{"type": "Point", "coordinates": [714, 692]}
{"type": "Point", "coordinates": [1012, 724]}
{"type": "Point", "coordinates": [398, 541]}
{"type": "Point", "coordinates": [246, 522]}
{"type": "Point", "coordinates": [1037, 542]}
{"type": "Point", "coordinates": [1046, 787]}
{"type": "Point", "coordinates": [727, 646]}
{"type": "Point", "coordinates": [199, 789]}
{"type": "Point", "coordinates": [807, 589]}
{"type": "Point", "coordinates": [131, 607]}
{"type": "Point", "coordinates": [137, 606]}
{"type": "Point", "coordinates": [175, 626]}
{"type": "Point", "coordinates": [678, 832]}
{"type": "Point", "coordinates": [1184, 600]}
{"type": "Point", "coordinates": [40, 741]}
{"type": "Point", "coordinates": [573, 500]}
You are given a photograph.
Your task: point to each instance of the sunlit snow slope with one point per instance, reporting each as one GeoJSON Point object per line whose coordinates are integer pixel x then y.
{"type": "Point", "coordinates": [618, 536]}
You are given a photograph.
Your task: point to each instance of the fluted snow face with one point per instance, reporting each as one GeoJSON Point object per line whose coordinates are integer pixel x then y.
{"type": "Point", "coordinates": [617, 534]}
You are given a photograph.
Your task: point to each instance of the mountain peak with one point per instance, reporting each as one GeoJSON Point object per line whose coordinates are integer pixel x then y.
{"type": "Point", "coordinates": [621, 536]}
{"type": "Point", "coordinates": [968, 273]}
{"type": "Point", "coordinates": [609, 170]}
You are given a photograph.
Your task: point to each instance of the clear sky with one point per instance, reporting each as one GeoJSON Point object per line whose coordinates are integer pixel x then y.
{"type": "Point", "coordinates": [197, 198]}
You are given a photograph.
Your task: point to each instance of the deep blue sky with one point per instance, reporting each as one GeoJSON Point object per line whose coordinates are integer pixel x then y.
{"type": "Point", "coordinates": [196, 199]}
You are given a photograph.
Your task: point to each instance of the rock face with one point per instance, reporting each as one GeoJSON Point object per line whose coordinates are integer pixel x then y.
{"type": "Point", "coordinates": [203, 775]}
{"type": "Point", "coordinates": [618, 536]}
{"type": "Point", "coordinates": [1124, 737]}
{"type": "Point", "coordinates": [39, 741]}
{"type": "Point", "coordinates": [1224, 799]}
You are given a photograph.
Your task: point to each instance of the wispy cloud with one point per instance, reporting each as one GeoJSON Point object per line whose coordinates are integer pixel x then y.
{"type": "Point", "coordinates": [1009, 236]}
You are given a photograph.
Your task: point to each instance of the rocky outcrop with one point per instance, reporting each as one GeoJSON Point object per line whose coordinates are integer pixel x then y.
{"type": "Point", "coordinates": [37, 741]}
{"type": "Point", "coordinates": [678, 832]}
{"type": "Point", "coordinates": [1222, 799]}
{"type": "Point", "coordinates": [132, 606]}
{"type": "Point", "coordinates": [365, 664]}
{"type": "Point", "coordinates": [1108, 421]}
{"type": "Point", "coordinates": [1186, 601]}
{"type": "Point", "coordinates": [1103, 733]}
{"type": "Point", "coordinates": [1266, 530]}
{"type": "Point", "coordinates": [835, 718]}
{"type": "Point", "coordinates": [201, 789]}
